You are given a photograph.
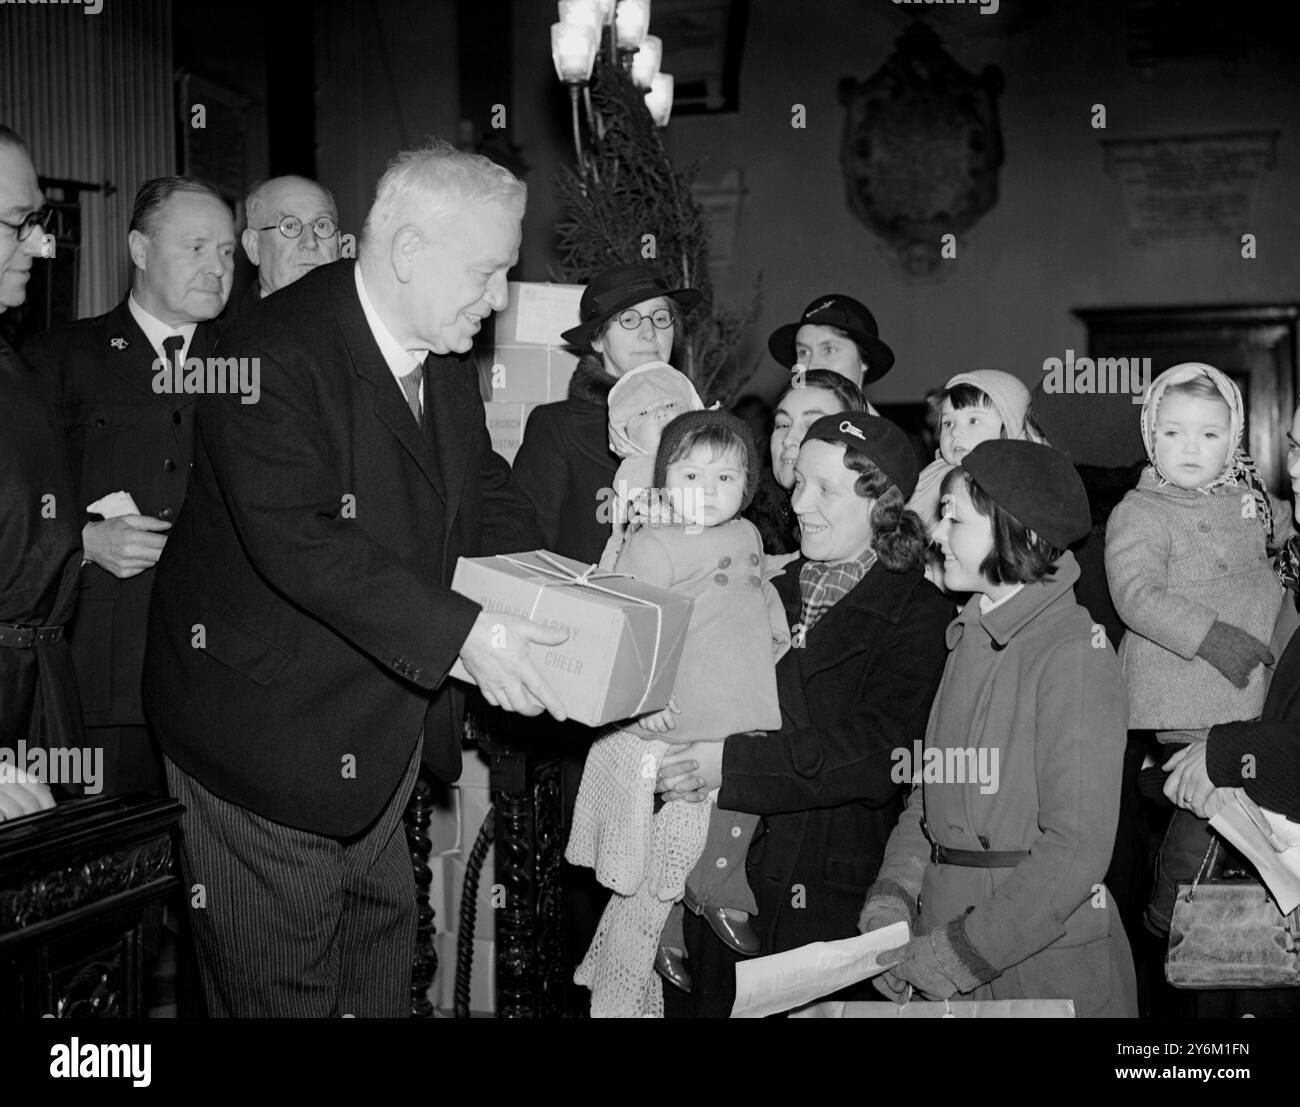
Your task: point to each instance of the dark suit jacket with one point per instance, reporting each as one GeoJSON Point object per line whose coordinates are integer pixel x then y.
{"type": "Point", "coordinates": [303, 624]}
{"type": "Point", "coordinates": [121, 435]}
{"type": "Point", "coordinates": [40, 553]}
{"type": "Point", "coordinates": [1272, 742]}
{"type": "Point", "coordinates": [860, 689]}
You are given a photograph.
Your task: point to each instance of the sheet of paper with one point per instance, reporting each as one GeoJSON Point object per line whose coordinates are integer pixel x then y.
{"type": "Point", "coordinates": [114, 504]}
{"type": "Point", "coordinates": [545, 311]}
{"type": "Point", "coordinates": [1266, 839]}
{"type": "Point", "coordinates": [770, 985]}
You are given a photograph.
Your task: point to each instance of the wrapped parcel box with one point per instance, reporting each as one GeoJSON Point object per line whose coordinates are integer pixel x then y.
{"type": "Point", "coordinates": [625, 637]}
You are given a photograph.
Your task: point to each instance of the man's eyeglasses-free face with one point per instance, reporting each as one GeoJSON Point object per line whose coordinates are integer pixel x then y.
{"type": "Point", "coordinates": [631, 319]}
{"type": "Point", "coordinates": [291, 227]}
{"type": "Point", "coordinates": [34, 222]}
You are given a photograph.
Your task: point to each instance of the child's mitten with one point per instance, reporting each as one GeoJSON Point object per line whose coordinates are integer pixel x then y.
{"type": "Point", "coordinates": [1234, 652]}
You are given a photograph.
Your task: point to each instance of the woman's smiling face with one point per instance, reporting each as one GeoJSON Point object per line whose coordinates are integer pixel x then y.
{"type": "Point", "coordinates": [834, 521]}
{"type": "Point", "coordinates": [799, 409]}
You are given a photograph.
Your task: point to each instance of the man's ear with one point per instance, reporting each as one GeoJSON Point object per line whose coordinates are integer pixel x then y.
{"type": "Point", "coordinates": [251, 243]}
{"type": "Point", "coordinates": [407, 243]}
{"type": "Point", "coordinates": [138, 246]}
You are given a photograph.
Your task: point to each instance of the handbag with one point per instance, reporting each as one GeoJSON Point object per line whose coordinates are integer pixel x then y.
{"type": "Point", "coordinates": [1230, 934]}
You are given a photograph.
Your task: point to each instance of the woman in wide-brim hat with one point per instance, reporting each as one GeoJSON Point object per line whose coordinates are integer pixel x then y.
{"type": "Point", "coordinates": [629, 316]}
{"type": "Point", "coordinates": [835, 332]}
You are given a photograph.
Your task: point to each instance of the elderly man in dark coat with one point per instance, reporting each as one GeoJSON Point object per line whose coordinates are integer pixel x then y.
{"type": "Point", "coordinates": [304, 625]}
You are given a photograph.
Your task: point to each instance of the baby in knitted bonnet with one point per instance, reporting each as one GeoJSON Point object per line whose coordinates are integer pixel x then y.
{"type": "Point", "coordinates": [641, 404]}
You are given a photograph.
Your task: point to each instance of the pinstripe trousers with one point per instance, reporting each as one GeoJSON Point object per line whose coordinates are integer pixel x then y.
{"type": "Point", "coordinates": [292, 924]}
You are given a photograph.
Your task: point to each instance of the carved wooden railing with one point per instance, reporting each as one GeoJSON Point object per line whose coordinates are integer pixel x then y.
{"type": "Point", "coordinates": [532, 978]}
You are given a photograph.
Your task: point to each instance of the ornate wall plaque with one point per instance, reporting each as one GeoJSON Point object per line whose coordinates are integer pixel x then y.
{"type": "Point", "coordinates": [921, 148]}
{"type": "Point", "coordinates": [1190, 186]}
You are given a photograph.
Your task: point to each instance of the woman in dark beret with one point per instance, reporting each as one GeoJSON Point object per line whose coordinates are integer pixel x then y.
{"type": "Point", "coordinates": [868, 650]}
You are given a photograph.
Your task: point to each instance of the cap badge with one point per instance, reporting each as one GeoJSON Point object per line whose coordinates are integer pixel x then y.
{"type": "Point", "coordinates": [848, 428]}
{"type": "Point", "coordinates": [118, 343]}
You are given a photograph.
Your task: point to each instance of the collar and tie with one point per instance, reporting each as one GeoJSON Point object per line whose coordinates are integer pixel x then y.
{"type": "Point", "coordinates": [172, 346]}
{"type": "Point", "coordinates": [411, 389]}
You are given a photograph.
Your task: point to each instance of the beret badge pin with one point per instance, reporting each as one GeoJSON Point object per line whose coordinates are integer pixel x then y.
{"type": "Point", "coordinates": [848, 428]}
{"type": "Point", "coordinates": [118, 343]}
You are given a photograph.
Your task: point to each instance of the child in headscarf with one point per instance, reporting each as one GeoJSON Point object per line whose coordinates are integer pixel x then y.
{"type": "Point", "coordinates": [973, 408]}
{"type": "Point", "coordinates": [1187, 560]}
{"type": "Point", "coordinates": [641, 404]}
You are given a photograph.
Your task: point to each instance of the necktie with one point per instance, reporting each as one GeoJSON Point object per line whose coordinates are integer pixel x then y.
{"type": "Point", "coordinates": [411, 388]}
{"type": "Point", "coordinates": [172, 346]}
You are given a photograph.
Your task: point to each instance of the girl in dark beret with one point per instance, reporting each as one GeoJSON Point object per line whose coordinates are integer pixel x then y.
{"type": "Point", "coordinates": [1005, 843]}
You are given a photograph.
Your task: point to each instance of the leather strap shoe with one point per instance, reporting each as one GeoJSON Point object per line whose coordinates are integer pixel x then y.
{"type": "Point", "coordinates": [733, 933]}
{"type": "Point", "coordinates": [672, 967]}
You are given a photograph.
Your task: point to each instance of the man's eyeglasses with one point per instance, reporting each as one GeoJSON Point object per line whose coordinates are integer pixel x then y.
{"type": "Point", "coordinates": [662, 319]}
{"type": "Point", "coordinates": [291, 227]}
{"type": "Point", "coordinates": [34, 222]}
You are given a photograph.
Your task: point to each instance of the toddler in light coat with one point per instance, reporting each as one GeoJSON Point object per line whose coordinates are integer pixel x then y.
{"type": "Point", "coordinates": [1187, 560]}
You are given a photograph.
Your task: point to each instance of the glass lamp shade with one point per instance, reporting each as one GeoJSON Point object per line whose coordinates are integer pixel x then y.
{"type": "Point", "coordinates": [645, 62]}
{"type": "Point", "coordinates": [660, 99]}
{"type": "Point", "coordinates": [582, 13]}
{"type": "Point", "coordinates": [573, 49]}
{"type": "Point", "coordinates": [631, 22]}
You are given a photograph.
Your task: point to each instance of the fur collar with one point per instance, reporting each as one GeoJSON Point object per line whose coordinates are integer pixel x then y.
{"type": "Point", "coordinates": [590, 382]}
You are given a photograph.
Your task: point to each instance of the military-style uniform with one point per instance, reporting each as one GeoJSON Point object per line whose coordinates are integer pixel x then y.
{"type": "Point", "coordinates": [121, 435]}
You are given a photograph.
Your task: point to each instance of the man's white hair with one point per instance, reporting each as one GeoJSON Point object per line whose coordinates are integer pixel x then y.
{"type": "Point", "coordinates": [423, 186]}
{"type": "Point", "coordinates": [256, 202]}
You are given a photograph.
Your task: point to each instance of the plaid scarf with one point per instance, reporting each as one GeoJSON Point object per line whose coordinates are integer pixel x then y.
{"type": "Point", "coordinates": [822, 585]}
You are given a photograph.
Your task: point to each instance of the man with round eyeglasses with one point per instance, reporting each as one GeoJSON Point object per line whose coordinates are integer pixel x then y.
{"type": "Point", "coordinates": [292, 228]}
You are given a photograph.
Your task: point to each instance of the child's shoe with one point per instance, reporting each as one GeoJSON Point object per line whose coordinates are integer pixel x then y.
{"type": "Point", "coordinates": [670, 963]}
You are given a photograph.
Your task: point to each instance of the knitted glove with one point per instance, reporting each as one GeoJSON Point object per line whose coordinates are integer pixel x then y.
{"type": "Point", "coordinates": [887, 903]}
{"type": "Point", "coordinates": [1234, 652]}
{"type": "Point", "coordinates": [941, 963]}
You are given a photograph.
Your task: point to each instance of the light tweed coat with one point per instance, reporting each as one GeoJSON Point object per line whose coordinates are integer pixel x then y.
{"type": "Point", "coordinates": [1177, 560]}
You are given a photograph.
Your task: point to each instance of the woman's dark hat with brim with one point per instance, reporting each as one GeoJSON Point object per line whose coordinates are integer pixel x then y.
{"type": "Point", "coordinates": [850, 316]}
{"type": "Point", "coordinates": [621, 287]}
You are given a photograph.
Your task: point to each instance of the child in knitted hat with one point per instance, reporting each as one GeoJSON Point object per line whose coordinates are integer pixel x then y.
{"type": "Point", "coordinates": [1187, 562]}
{"type": "Point", "coordinates": [706, 468]}
{"type": "Point", "coordinates": [973, 408]}
{"type": "Point", "coordinates": [641, 404]}
{"type": "Point", "coordinates": [999, 856]}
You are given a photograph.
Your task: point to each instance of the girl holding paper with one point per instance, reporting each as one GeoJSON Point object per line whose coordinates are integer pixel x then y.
{"type": "Point", "coordinates": [1003, 879]}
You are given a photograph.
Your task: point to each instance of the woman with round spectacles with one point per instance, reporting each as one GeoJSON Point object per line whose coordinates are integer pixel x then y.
{"type": "Point", "coordinates": [630, 315]}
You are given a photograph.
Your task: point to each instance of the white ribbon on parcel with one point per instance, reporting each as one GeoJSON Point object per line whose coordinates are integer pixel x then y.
{"type": "Point", "coordinates": [770, 985]}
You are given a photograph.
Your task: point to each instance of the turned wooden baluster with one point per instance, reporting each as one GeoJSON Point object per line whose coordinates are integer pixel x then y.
{"type": "Point", "coordinates": [424, 965]}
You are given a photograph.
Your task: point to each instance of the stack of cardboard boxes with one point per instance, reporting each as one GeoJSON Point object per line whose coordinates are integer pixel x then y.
{"type": "Point", "coordinates": [530, 363]}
